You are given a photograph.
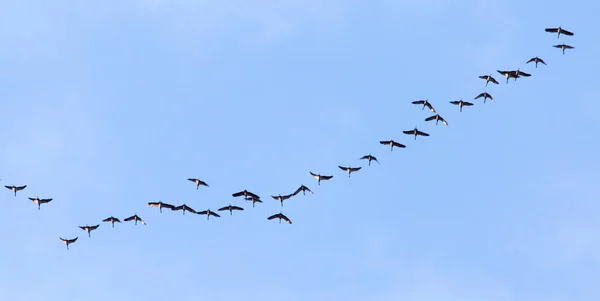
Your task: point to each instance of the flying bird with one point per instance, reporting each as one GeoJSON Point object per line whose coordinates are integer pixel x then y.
{"type": "Point", "coordinates": [415, 132]}
{"type": "Point", "coordinates": [198, 182]}
{"type": "Point", "coordinates": [437, 118]}
{"type": "Point", "coordinates": [282, 198]}
{"type": "Point", "coordinates": [520, 73]}
{"type": "Point", "coordinates": [39, 201]}
{"type": "Point", "coordinates": [559, 31]}
{"type": "Point", "coordinates": [185, 208]}
{"type": "Point", "coordinates": [536, 60]}
{"type": "Point", "coordinates": [485, 96]}
{"type": "Point", "coordinates": [370, 158]}
{"type": "Point", "coordinates": [392, 143]}
{"type": "Point", "coordinates": [208, 213]}
{"type": "Point", "coordinates": [135, 218]}
{"type": "Point", "coordinates": [280, 216]}
{"type": "Point", "coordinates": [320, 177]}
{"type": "Point", "coordinates": [349, 169]}
{"type": "Point", "coordinates": [89, 229]}
{"type": "Point", "coordinates": [563, 47]}
{"type": "Point", "coordinates": [246, 194]}
{"type": "Point", "coordinates": [230, 209]}
{"type": "Point", "coordinates": [15, 188]}
{"type": "Point", "coordinates": [304, 189]}
{"type": "Point", "coordinates": [488, 79]}
{"type": "Point", "coordinates": [112, 220]}
{"type": "Point", "coordinates": [461, 103]}
{"type": "Point", "coordinates": [68, 241]}
{"type": "Point", "coordinates": [253, 200]}
{"type": "Point", "coordinates": [508, 74]}
{"type": "Point", "coordinates": [161, 205]}
{"type": "Point", "coordinates": [425, 103]}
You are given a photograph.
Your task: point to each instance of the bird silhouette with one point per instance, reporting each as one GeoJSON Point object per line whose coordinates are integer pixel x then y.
{"type": "Point", "coordinates": [536, 60]}
{"type": "Point", "coordinates": [349, 169]}
{"type": "Point", "coordinates": [488, 79]}
{"type": "Point", "coordinates": [370, 158]}
{"type": "Point", "coordinates": [563, 47]}
{"type": "Point", "coordinates": [425, 103]}
{"type": "Point", "coordinates": [437, 118]}
{"type": "Point", "coordinates": [112, 220]}
{"type": "Point", "coordinates": [184, 208]}
{"type": "Point", "coordinates": [253, 200]}
{"type": "Point", "coordinates": [282, 198]}
{"type": "Point", "coordinates": [161, 205]}
{"type": "Point", "coordinates": [280, 216]}
{"type": "Point", "coordinates": [559, 31]}
{"type": "Point", "coordinates": [392, 143]}
{"type": "Point", "coordinates": [415, 132]}
{"type": "Point", "coordinates": [304, 189]}
{"type": "Point", "coordinates": [15, 188]}
{"type": "Point", "coordinates": [320, 178]}
{"type": "Point", "coordinates": [485, 96]}
{"type": "Point", "coordinates": [198, 182]}
{"type": "Point", "coordinates": [230, 209]}
{"type": "Point", "coordinates": [135, 218]}
{"type": "Point", "coordinates": [89, 229]}
{"type": "Point", "coordinates": [208, 213]}
{"type": "Point", "coordinates": [68, 241]}
{"type": "Point", "coordinates": [39, 201]}
{"type": "Point", "coordinates": [461, 103]}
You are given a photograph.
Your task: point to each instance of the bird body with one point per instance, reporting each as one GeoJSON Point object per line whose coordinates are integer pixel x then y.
{"type": "Point", "coordinates": [415, 132]}
{"type": "Point", "coordinates": [437, 118]}
{"type": "Point", "coordinates": [461, 103]}
{"type": "Point", "coordinates": [320, 177]}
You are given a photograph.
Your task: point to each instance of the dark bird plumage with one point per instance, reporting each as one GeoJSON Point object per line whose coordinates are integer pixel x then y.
{"type": "Point", "coordinates": [304, 189]}
{"type": "Point", "coordinates": [246, 194]}
{"type": "Point", "coordinates": [461, 103]}
{"type": "Point", "coordinates": [488, 79]}
{"type": "Point", "coordinates": [392, 143]}
{"type": "Point", "coordinates": [349, 169]}
{"type": "Point", "coordinates": [230, 209]}
{"type": "Point", "coordinates": [536, 60]}
{"type": "Point", "coordinates": [437, 118]}
{"type": "Point", "coordinates": [208, 213]}
{"type": "Point", "coordinates": [253, 199]}
{"type": "Point", "coordinates": [282, 198]}
{"type": "Point", "coordinates": [485, 96]}
{"type": "Point", "coordinates": [112, 220]}
{"type": "Point", "coordinates": [519, 73]}
{"type": "Point", "coordinates": [89, 229]}
{"type": "Point", "coordinates": [563, 47]}
{"type": "Point", "coordinates": [198, 182]}
{"type": "Point", "coordinates": [320, 177]}
{"type": "Point", "coordinates": [39, 201]}
{"type": "Point", "coordinates": [559, 31]}
{"type": "Point", "coordinates": [508, 74]}
{"type": "Point", "coordinates": [68, 241]}
{"type": "Point", "coordinates": [136, 219]}
{"type": "Point", "coordinates": [415, 132]}
{"type": "Point", "coordinates": [161, 205]}
{"type": "Point", "coordinates": [370, 158]}
{"type": "Point", "coordinates": [184, 208]}
{"type": "Point", "coordinates": [425, 103]}
{"type": "Point", "coordinates": [15, 188]}
{"type": "Point", "coordinates": [280, 216]}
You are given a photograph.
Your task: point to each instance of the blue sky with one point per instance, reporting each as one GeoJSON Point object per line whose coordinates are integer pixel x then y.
{"type": "Point", "coordinates": [108, 105]}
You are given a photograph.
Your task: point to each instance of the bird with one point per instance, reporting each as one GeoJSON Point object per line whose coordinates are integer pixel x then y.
{"type": "Point", "coordinates": [39, 201]}
{"type": "Point", "coordinates": [559, 31]}
{"type": "Point", "coordinates": [304, 189]}
{"type": "Point", "coordinates": [15, 188]}
{"type": "Point", "coordinates": [508, 74]}
{"type": "Point", "coordinates": [536, 60]}
{"type": "Point", "coordinates": [392, 143]}
{"type": "Point", "coordinates": [208, 213]}
{"type": "Point", "coordinates": [320, 177]}
{"type": "Point", "coordinates": [68, 241]}
{"type": "Point", "coordinates": [282, 198]}
{"type": "Point", "coordinates": [485, 96]}
{"type": "Point", "coordinates": [198, 182]}
{"type": "Point", "coordinates": [461, 103]}
{"type": "Point", "coordinates": [370, 158]}
{"type": "Point", "coordinates": [425, 103]}
{"type": "Point", "coordinates": [161, 205]}
{"type": "Point", "coordinates": [89, 229]}
{"type": "Point", "coordinates": [280, 216]}
{"type": "Point", "coordinates": [253, 200]}
{"type": "Point", "coordinates": [185, 208]}
{"type": "Point", "coordinates": [488, 79]}
{"type": "Point", "coordinates": [437, 118]}
{"type": "Point", "coordinates": [415, 132]}
{"type": "Point", "coordinates": [112, 220]}
{"type": "Point", "coordinates": [245, 193]}
{"type": "Point", "coordinates": [230, 208]}
{"type": "Point", "coordinates": [349, 169]}
{"type": "Point", "coordinates": [135, 218]}
{"type": "Point", "coordinates": [520, 73]}
{"type": "Point", "coordinates": [563, 47]}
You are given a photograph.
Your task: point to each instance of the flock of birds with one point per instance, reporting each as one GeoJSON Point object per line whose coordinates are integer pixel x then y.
{"type": "Point", "coordinates": [254, 198]}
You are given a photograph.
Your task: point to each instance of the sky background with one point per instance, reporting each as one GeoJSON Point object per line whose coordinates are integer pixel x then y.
{"type": "Point", "coordinates": [108, 105]}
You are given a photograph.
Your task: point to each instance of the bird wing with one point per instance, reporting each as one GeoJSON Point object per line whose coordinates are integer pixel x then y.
{"type": "Point", "coordinates": [566, 32]}
{"type": "Point", "coordinates": [169, 206]}
{"type": "Point", "coordinates": [479, 96]}
{"type": "Point", "coordinates": [343, 168]}
{"type": "Point", "coordinates": [192, 180]}
{"type": "Point", "coordinates": [400, 145]}
{"type": "Point", "coordinates": [364, 157]}
{"type": "Point", "coordinates": [418, 102]}
{"type": "Point", "coordinates": [237, 208]}
{"type": "Point", "coordinates": [455, 102]}
{"type": "Point", "coordinates": [430, 107]}
{"type": "Point", "coordinates": [489, 96]}
{"type": "Point", "coordinates": [8, 187]}
{"type": "Point", "coordinates": [531, 60]}
{"type": "Point", "coordinates": [225, 208]}
{"type": "Point", "coordinates": [214, 214]}
{"type": "Point", "coordinates": [541, 61]}
{"type": "Point", "coordinates": [72, 240]}
{"type": "Point", "coordinates": [287, 196]}
{"type": "Point", "coordinates": [289, 221]}
{"type": "Point", "coordinates": [202, 212]}
{"type": "Point", "coordinates": [153, 204]}
{"type": "Point", "coordinates": [202, 183]}
{"type": "Point", "coordinates": [175, 208]}
{"type": "Point", "coordinates": [130, 218]}
{"type": "Point", "coordinates": [238, 194]}
{"type": "Point", "coordinates": [273, 216]}
{"type": "Point", "coordinates": [108, 219]}
{"type": "Point", "coordinates": [443, 121]}
{"type": "Point", "coordinates": [82, 227]}
{"type": "Point", "coordinates": [355, 168]}
{"type": "Point", "coordinates": [521, 73]}
{"type": "Point", "coordinates": [430, 118]}
{"type": "Point", "coordinates": [94, 227]}
{"type": "Point", "coordinates": [326, 177]}
{"type": "Point", "coordinates": [190, 209]}
{"type": "Point", "coordinates": [551, 29]}
{"type": "Point", "coordinates": [422, 133]}
{"type": "Point", "coordinates": [411, 132]}
{"type": "Point", "coordinates": [493, 80]}
{"type": "Point", "coordinates": [21, 187]}
{"type": "Point", "coordinates": [466, 103]}
{"type": "Point", "coordinates": [32, 199]}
